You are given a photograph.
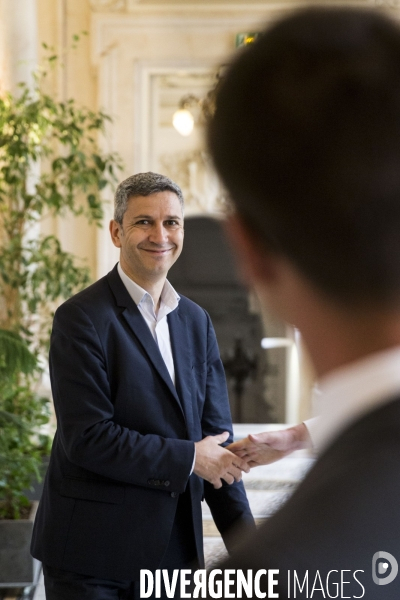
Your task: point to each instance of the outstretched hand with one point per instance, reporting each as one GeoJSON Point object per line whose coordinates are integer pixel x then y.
{"type": "Point", "coordinates": [214, 463]}
{"type": "Point", "coordinates": [268, 447]}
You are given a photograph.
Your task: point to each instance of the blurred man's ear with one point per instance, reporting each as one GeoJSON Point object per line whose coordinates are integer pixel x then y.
{"type": "Point", "coordinates": [277, 283]}
{"type": "Point", "coordinates": [257, 265]}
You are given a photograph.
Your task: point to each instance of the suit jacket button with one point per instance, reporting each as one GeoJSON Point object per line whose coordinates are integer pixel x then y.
{"type": "Point", "coordinates": [173, 494]}
{"type": "Point", "coordinates": [166, 483]}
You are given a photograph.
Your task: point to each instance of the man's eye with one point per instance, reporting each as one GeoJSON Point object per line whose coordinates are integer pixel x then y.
{"type": "Point", "coordinates": [172, 222]}
{"type": "Point", "coordinates": [143, 222]}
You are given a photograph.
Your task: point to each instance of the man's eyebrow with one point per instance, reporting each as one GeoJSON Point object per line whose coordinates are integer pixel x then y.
{"type": "Point", "coordinates": [168, 217]}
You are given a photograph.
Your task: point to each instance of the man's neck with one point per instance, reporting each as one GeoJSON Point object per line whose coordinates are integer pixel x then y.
{"type": "Point", "coordinates": [154, 288]}
{"type": "Point", "coordinates": [336, 339]}
{"type": "Point", "coordinates": [334, 333]}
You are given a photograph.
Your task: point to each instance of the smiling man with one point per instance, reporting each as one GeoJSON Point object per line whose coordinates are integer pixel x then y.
{"type": "Point", "coordinates": [142, 408]}
{"type": "Point", "coordinates": [150, 236]}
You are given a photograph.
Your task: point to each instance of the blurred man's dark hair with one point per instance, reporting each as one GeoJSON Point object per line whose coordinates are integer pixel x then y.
{"type": "Point", "coordinates": [306, 137]}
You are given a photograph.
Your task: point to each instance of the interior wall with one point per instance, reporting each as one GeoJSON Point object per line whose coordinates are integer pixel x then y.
{"type": "Point", "coordinates": [120, 67]}
{"type": "Point", "coordinates": [73, 77]}
{"type": "Point", "coordinates": [134, 49]}
{"type": "Point", "coordinates": [18, 43]}
{"type": "Point", "coordinates": [112, 67]}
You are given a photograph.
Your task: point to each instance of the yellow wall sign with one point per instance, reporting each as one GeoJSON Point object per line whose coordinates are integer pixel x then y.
{"type": "Point", "coordinates": [243, 39]}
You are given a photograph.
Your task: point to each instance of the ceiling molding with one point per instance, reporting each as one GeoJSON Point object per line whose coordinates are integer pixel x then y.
{"type": "Point", "coordinates": [224, 7]}
{"type": "Point", "coordinates": [243, 6]}
{"type": "Point", "coordinates": [194, 6]}
{"type": "Point", "coordinates": [108, 5]}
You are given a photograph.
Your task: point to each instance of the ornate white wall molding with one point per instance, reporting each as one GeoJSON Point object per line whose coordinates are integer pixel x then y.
{"type": "Point", "coordinates": [238, 6]}
{"type": "Point", "coordinates": [145, 72]}
{"type": "Point", "coordinates": [201, 187]}
{"type": "Point", "coordinates": [193, 6]}
{"type": "Point", "coordinates": [107, 5]}
{"type": "Point", "coordinates": [110, 29]}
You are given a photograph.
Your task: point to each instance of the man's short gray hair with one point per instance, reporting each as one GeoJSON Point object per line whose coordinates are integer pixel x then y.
{"type": "Point", "coordinates": [142, 184]}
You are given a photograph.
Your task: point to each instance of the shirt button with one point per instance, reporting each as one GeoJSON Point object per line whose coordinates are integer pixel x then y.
{"type": "Point", "coordinates": [173, 494]}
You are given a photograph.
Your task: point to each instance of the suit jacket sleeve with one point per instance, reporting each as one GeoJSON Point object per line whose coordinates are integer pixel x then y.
{"type": "Point", "coordinates": [85, 413]}
{"type": "Point", "coordinates": [229, 505]}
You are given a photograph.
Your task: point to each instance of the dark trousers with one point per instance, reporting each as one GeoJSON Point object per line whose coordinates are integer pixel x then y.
{"type": "Point", "coordinates": [180, 554]}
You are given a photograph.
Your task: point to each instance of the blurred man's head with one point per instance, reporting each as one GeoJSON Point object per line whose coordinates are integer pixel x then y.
{"type": "Point", "coordinates": [306, 137]}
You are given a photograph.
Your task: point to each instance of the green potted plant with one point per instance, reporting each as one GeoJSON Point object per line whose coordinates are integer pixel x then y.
{"type": "Point", "coordinates": [50, 164]}
{"type": "Point", "coordinates": [21, 413]}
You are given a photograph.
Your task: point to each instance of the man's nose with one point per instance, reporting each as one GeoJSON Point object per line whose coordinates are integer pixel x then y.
{"type": "Point", "coordinates": [158, 234]}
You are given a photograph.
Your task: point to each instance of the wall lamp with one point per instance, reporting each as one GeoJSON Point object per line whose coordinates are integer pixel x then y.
{"type": "Point", "coordinates": [183, 120]}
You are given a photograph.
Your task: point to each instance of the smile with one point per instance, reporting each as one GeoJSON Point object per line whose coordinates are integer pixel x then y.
{"type": "Point", "coordinates": [160, 252]}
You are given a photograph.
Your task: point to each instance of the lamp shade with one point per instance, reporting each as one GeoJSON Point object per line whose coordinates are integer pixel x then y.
{"type": "Point", "coordinates": [183, 121]}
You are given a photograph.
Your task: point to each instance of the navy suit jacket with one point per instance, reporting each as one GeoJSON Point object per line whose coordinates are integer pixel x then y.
{"type": "Point", "coordinates": [125, 437]}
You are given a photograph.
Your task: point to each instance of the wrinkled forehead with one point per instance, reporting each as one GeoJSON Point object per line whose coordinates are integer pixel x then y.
{"type": "Point", "coordinates": [159, 205]}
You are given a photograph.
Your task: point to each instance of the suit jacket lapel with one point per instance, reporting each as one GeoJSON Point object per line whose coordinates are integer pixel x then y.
{"type": "Point", "coordinates": [183, 362]}
{"type": "Point", "coordinates": [140, 329]}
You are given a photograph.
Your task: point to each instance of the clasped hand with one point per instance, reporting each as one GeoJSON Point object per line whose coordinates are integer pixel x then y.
{"type": "Point", "coordinates": [214, 463]}
{"type": "Point", "coordinates": [270, 446]}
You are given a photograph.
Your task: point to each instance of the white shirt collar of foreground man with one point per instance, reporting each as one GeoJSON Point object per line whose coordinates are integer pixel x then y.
{"type": "Point", "coordinates": [346, 394]}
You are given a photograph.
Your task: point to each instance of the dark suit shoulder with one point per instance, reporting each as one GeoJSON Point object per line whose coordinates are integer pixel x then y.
{"type": "Point", "coordinates": [192, 309]}
{"type": "Point", "coordinates": [90, 298]}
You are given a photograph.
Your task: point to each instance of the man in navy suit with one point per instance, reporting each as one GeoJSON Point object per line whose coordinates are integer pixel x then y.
{"type": "Point", "coordinates": [142, 410]}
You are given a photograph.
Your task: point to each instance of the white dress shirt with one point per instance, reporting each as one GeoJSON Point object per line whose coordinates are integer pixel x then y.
{"type": "Point", "coordinates": [346, 394]}
{"type": "Point", "coordinates": [157, 323]}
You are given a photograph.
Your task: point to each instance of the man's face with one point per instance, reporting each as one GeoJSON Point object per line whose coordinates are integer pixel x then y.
{"type": "Point", "coordinates": [151, 236]}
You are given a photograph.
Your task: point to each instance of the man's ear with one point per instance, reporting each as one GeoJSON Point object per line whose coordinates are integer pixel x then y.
{"type": "Point", "coordinates": [115, 232]}
{"type": "Point", "coordinates": [256, 263]}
